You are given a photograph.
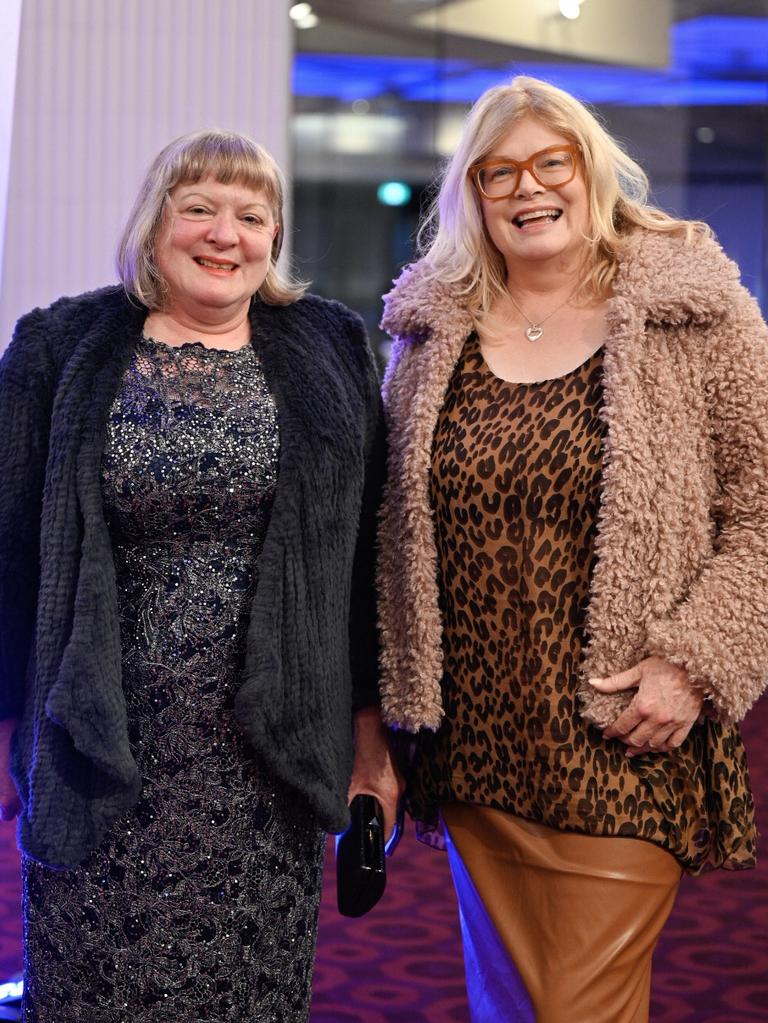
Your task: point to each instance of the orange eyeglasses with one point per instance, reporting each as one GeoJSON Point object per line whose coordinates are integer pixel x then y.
{"type": "Point", "coordinates": [552, 167]}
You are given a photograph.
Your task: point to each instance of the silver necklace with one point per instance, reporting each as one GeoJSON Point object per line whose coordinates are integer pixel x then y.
{"type": "Point", "coordinates": [534, 330]}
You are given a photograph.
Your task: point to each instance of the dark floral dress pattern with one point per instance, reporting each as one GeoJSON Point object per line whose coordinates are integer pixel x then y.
{"type": "Point", "coordinates": [201, 904]}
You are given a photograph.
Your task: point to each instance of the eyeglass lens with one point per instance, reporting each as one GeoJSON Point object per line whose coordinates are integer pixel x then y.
{"type": "Point", "coordinates": [549, 168]}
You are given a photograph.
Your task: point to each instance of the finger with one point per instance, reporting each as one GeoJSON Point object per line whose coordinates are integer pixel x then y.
{"type": "Point", "coordinates": [390, 819]}
{"type": "Point", "coordinates": [636, 751]}
{"type": "Point", "coordinates": [638, 738]}
{"type": "Point", "coordinates": [625, 722]}
{"type": "Point", "coordinates": [678, 737]}
{"type": "Point", "coordinates": [388, 806]}
{"type": "Point", "coordinates": [396, 834]}
{"type": "Point", "coordinates": [652, 732]}
{"type": "Point", "coordinates": [616, 683]}
{"type": "Point", "coordinates": [649, 737]}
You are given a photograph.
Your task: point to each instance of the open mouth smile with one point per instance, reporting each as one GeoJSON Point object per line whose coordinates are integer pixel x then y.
{"type": "Point", "coordinates": [543, 216]}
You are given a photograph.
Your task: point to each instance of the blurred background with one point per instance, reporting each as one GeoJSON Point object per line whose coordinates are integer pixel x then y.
{"type": "Point", "coordinates": [360, 101]}
{"type": "Point", "coordinates": [380, 89]}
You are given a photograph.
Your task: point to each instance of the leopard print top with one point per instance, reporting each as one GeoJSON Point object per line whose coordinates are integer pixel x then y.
{"type": "Point", "coordinates": [515, 488]}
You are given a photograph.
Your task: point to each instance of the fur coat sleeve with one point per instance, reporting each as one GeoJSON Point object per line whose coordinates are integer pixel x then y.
{"type": "Point", "coordinates": [719, 632]}
{"type": "Point", "coordinates": [25, 409]}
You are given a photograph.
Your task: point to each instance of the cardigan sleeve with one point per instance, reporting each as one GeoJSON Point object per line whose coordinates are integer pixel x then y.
{"type": "Point", "coordinates": [720, 632]}
{"type": "Point", "coordinates": [25, 412]}
{"type": "Point", "coordinates": [364, 646]}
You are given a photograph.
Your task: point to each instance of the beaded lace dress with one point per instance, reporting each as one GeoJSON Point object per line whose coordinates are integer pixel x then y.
{"type": "Point", "coordinates": [201, 903]}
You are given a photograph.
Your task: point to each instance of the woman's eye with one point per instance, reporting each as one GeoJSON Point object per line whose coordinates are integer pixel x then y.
{"type": "Point", "coordinates": [252, 218]}
{"type": "Point", "coordinates": [499, 173]}
{"type": "Point", "coordinates": [556, 161]}
{"type": "Point", "coordinates": [197, 211]}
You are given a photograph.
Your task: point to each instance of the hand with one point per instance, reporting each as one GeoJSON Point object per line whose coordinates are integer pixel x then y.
{"type": "Point", "coordinates": [10, 804]}
{"type": "Point", "coordinates": [663, 710]}
{"type": "Point", "coordinates": [374, 770]}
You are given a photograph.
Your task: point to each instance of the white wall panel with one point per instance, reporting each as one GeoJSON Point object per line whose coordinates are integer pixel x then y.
{"type": "Point", "coordinates": [10, 23]}
{"type": "Point", "coordinates": [102, 85]}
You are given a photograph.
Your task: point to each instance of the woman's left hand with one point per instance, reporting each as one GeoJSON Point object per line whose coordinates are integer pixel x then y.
{"type": "Point", "coordinates": [663, 711]}
{"type": "Point", "coordinates": [374, 771]}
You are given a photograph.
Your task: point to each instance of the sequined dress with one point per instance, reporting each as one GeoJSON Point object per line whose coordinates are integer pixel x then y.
{"type": "Point", "coordinates": [201, 903]}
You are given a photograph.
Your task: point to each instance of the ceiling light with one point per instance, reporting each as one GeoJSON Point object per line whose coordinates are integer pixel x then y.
{"type": "Point", "coordinates": [308, 21]}
{"type": "Point", "coordinates": [299, 11]}
{"type": "Point", "coordinates": [570, 9]}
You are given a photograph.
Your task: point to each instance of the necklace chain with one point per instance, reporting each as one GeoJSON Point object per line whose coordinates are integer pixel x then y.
{"type": "Point", "coordinates": [534, 330]}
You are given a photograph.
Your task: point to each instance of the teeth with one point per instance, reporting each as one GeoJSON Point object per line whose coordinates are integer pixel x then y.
{"type": "Point", "coordinates": [536, 214]}
{"type": "Point", "coordinates": [216, 266]}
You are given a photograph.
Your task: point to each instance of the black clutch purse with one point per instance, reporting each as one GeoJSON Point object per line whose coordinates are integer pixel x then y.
{"type": "Point", "coordinates": [360, 870]}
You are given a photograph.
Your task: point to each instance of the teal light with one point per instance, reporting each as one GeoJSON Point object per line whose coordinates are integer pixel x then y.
{"type": "Point", "coordinates": [393, 193]}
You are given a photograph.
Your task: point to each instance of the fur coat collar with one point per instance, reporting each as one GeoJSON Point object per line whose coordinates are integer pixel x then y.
{"type": "Point", "coordinates": [683, 528]}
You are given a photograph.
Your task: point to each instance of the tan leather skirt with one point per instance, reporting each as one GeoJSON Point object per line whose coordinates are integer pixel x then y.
{"type": "Point", "coordinates": [558, 927]}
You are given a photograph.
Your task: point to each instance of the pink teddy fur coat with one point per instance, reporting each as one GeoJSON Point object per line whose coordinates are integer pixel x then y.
{"type": "Point", "coordinates": [682, 568]}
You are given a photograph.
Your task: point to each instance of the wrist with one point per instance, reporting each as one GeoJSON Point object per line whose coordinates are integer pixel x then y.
{"type": "Point", "coordinates": [368, 721]}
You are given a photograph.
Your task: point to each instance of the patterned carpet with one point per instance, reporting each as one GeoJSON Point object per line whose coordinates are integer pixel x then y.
{"type": "Point", "coordinates": [402, 963]}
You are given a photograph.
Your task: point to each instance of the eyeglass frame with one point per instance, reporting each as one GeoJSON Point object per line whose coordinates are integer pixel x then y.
{"type": "Point", "coordinates": [524, 165]}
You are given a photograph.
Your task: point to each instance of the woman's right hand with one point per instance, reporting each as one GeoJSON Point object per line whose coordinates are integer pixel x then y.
{"type": "Point", "coordinates": [10, 804]}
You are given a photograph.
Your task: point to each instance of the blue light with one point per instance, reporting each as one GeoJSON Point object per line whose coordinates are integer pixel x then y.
{"type": "Point", "coordinates": [715, 61]}
{"type": "Point", "coordinates": [733, 46]}
{"type": "Point", "coordinates": [393, 193]}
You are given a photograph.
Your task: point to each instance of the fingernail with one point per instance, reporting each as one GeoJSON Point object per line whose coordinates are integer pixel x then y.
{"type": "Point", "coordinates": [592, 681]}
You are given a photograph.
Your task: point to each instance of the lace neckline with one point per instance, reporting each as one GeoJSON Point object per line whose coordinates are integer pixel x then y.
{"type": "Point", "coordinates": [195, 346]}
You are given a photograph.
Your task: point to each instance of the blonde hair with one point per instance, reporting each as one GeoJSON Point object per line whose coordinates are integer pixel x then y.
{"type": "Point", "coordinates": [453, 239]}
{"type": "Point", "coordinates": [228, 157]}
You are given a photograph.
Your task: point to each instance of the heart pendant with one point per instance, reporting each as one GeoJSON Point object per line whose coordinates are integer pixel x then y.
{"type": "Point", "coordinates": [533, 333]}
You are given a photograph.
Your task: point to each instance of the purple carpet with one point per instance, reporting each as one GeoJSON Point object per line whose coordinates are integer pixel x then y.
{"type": "Point", "coordinates": [403, 964]}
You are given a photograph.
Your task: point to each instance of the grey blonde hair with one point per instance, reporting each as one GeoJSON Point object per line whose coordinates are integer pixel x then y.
{"type": "Point", "coordinates": [453, 239]}
{"type": "Point", "coordinates": [228, 157]}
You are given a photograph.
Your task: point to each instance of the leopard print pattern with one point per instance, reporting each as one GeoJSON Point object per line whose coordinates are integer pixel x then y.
{"type": "Point", "coordinates": [515, 488]}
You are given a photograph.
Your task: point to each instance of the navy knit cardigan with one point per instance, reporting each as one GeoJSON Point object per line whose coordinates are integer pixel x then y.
{"type": "Point", "coordinates": [311, 648]}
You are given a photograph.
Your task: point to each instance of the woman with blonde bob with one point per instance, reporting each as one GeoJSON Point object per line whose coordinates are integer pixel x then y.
{"type": "Point", "coordinates": [184, 653]}
{"type": "Point", "coordinates": [573, 555]}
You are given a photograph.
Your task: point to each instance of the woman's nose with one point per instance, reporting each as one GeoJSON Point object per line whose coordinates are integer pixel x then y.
{"type": "Point", "coordinates": [527, 183]}
{"type": "Point", "coordinates": [222, 229]}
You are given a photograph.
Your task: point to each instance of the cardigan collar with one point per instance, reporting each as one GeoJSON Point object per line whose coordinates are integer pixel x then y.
{"type": "Point", "coordinates": [664, 278]}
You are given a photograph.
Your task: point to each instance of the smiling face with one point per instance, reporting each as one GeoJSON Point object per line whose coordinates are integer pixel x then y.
{"type": "Point", "coordinates": [214, 248]}
{"type": "Point", "coordinates": [537, 222]}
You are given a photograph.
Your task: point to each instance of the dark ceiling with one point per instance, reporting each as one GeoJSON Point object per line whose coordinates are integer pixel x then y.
{"type": "Point", "coordinates": [686, 9]}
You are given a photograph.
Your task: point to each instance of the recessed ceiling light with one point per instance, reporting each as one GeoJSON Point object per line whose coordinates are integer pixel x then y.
{"type": "Point", "coordinates": [299, 11]}
{"type": "Point", "coordinates": [308, 21]}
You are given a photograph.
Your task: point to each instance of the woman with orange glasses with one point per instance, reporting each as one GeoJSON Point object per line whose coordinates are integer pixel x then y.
{"type": "Point", "coordinates": [574, 555]}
